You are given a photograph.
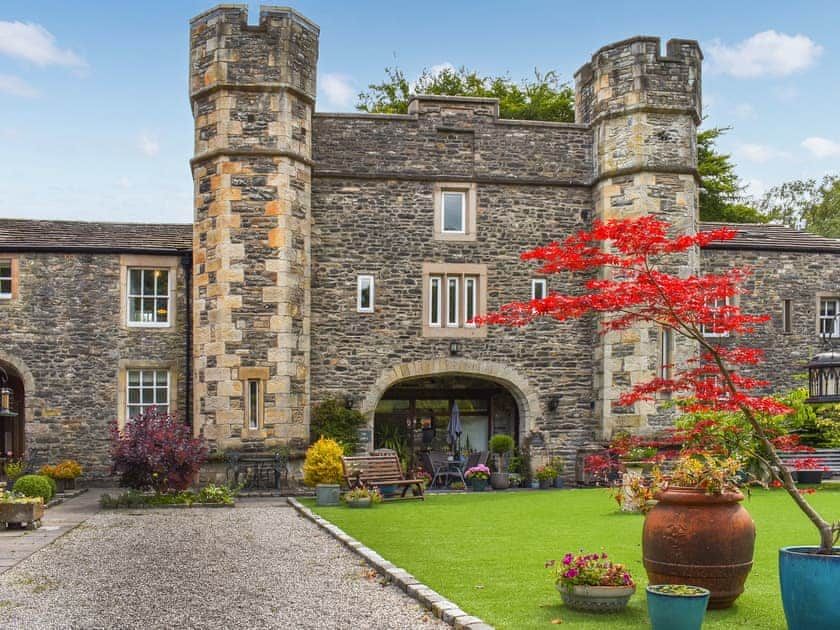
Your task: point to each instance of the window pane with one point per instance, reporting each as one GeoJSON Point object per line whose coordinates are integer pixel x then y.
{"type": "Point", "coordinates": [5, 286]}
{"type": "Point", "coordinates": [452, 304]}
{"type": "Point", "coordinates": [253, 404]}
{"type": "Point", "coordinates": [134, 377]}
{"type": "Point", "coordinates": [148, 282]}
{"type": "Point", "coordinates": [453, 212]}
{"type": "Point", "coordinates": [162, 282]}
{"type": "Point", "coordinates": [161, 396]}
{"type": "Point", "coordinates": [434, 301]}
{"type": "Point", "coordinates": [161, 377]}
{"type": "Point", "coordinates": [537, 289]}
{"type": "Point", "coordinates": [136, 310]}
{"type": "Point", "coordinates": [148, 314]}
{"type": "Point", "coordinates": [365, 301]}
{"type": "Point", "coordinates": [5, 269]}
{"type": "Point", "coordinates": [134, 411]}
{"type": "Point", "coordinates": [162, 310]}
{"type": "Point", "coordinates": [135, 282]}
{"type": "Point", "coordinates": [147, 395]}
{"type": "Point", "coordinates": [163, 408]}
{"type": "Point", "coordinates": [470, 298]}
{"type": "Point", "coordinates": [134, 396]}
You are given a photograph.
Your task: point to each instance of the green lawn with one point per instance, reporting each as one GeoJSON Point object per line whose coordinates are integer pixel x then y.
{"type": "Point", "coordinates": [486, 551]}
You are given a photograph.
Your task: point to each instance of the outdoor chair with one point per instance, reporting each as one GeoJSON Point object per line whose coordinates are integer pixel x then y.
{"type": "Point", "coordinates": [441, 467]}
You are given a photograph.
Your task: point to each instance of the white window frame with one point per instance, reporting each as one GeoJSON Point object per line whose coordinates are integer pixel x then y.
{"type": "Point", "coordinates": [541, 282]}
{"type": "Point", "coordinates": [707, 333]}
{"type": "Point", "coordinates": [453, 281]}
{"type": "Point", "coordinates": [463, 198]}
{"type": "Point", "coordinates": [154, 386]}
{"type": "Point", "coordinates": [360, 281]}
{"type": "Point", "coordinates": [470, 304]}
{"type": "Point", "coordinates": [835, 327]}
{"type": "Point", "coordinates": [130, 296]}
{"type": "Point", "coordinates": [10, 278]}
{"type": "Point", "coordinates": [253, 404]}
{"type": "Point", "coordinates": [435, 306]}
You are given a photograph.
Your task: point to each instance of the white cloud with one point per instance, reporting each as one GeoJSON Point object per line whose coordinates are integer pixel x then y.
{"type": "Point", "coordinates": [16, 86]}
{"type": "Point", "coordinates": [148, 144]}
{"type": "Point", "coordinates": [821, 147]}
{"type": "Point", "coordinates": [759, 153]}
{"type": "Point", "coordinates": [438, 68]}
{"type": "Point", "coordinates": [764, 54]}
{"type": "Point", "coordinates": [34, 43]}
{"type": "Point", "coordinates": [744, 110]}
{"type": "Point", "coordinates": [338, 90]}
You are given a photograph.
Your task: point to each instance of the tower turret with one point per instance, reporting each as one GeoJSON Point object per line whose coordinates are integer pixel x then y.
{"type": "Point", "coordinates": [252, 90]}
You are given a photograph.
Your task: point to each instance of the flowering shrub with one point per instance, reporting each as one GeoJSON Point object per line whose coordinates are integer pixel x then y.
{"type": "Point", "coordinates": [702, 470]}
{"type": "Point", "coordinates": [363, 492]}
{"type": "Point", "coordinates": [809, 463]}
{"type": "Point", "coordinates": [478, 472]}
{"type": "Point", "coordinates": [545, 473]}
{"type": "Point", "coordinates": [68, 469]}
{"type": "Point", "coordinates": [423, 476]}
{"type": "Point", "coordinates": [156, 450]}
{"type": "Point", "coordinates": [14, 468]}
{"type": "Point", "coordinates": [589, 569]}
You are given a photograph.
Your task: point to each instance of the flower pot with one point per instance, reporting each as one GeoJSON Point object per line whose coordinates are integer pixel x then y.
{"type": "Point", "coordinates": [478, 485]}
{"type": "Point", "coordinates": [327, 494]}
{"type": "Point", "coordinates": [558, 482]}
{"type": "Point", "coordinates": [63, 485]}
{"type": "Point", "coordinates": [22, 513]}
{"type": "Point", "coordinates": [535, 483]}
{"type": "Point", "coordinates": [809, 476]}
{"type": "Point", "coordinates": [389, 491]}
{"type": "Point", "coordinates": [809, 588]}
{"type": "Point", "coordinates": [676, 611]}
{"type": "Point", "coordinates": [598, 599]}
{"type": "Point", "coordinates": [707, 540]}
{"type": "Point", "coordinates": [500, 481]}
{"type": "Point", "coordinates": [362, 502]}
{"type": "Point", "coordinates": [545, 484]}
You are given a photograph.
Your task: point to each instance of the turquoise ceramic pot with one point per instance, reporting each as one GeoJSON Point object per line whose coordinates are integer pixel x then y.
{"type": "Point", "coordinates": [675, 611]}
{"type": "Point", "coordinates": [809, 588]}
{"type": "Point", "coordinates": [478, 485]}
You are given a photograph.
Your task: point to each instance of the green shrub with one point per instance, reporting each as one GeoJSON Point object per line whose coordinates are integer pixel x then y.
{"type": "Point", "coordinates": [323, 463]}
{"type": "Point", "coordinates": [501, 444]}
{"type": "Point", "coordinates": [332, 419]}
{"type": "Point", "coordinates": [35, 486]}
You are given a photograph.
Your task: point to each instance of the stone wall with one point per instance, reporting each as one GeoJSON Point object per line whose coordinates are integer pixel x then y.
{"type": "Point", "coordinates": [777, 276]}
{"type": "Point", "coordinates": [66, 332]}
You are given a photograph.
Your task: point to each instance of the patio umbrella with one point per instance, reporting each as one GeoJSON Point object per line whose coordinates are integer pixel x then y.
{"type": "Point", "coordinates": [454, 429]}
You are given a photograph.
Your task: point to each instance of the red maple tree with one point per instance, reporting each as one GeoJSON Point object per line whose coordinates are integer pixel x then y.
{"type": "Point", "coordinates": [634, 289]}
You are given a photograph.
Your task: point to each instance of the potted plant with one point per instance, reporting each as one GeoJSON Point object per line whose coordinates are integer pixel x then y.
{"type": "Point", "coordinates": [64, 473]}
{"type": "Point", "coordinates": [592, 582]}
{"type": "Point", "coordinates": [478, 476]}
{"type": "Point", "coordinates": [649, 294]}
{"type": "Point", "coordinates": [676, 606]}
{"type": "Point", "coordinates": [501, 445]}
{"type": "Point", "coordinates": [362, 497]}
{"type": "Point", "coordinates": [545, 475]}
{"type": "Point", "coordinates": [322, 469]}
{"type": "Point", "coordinates": [809, 470]}
{"type": "Point", "coordinates": [14, 468]}
{"type": "Point", "coordinates": [21, 510]}
{"type": "Point", "coordinates": [558, 465]}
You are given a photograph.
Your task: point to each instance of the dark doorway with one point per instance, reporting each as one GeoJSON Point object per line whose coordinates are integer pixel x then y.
{"type": "Point", "coordinates": [12, 439]}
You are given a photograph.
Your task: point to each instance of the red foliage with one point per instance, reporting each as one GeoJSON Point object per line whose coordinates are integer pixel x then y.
{"type": "Point", "coordinates": [156, 450]}
{"type": "Point", "coordinates": [809, 463]}
{"type": "Point", "coordinates": [626, 252]}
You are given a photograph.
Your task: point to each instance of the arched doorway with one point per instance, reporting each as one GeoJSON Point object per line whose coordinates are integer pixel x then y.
{"type": "Point", "coordinates": [12, 436]}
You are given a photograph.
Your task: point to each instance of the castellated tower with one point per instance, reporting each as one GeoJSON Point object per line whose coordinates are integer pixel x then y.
{"type": "Point", "coordinates": [252, 90]}
{"type": "Point", "coordinates": [643, 109]}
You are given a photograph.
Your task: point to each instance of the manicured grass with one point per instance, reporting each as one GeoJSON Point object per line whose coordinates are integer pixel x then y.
{"type": "Point", "coordinates": [486, 551]}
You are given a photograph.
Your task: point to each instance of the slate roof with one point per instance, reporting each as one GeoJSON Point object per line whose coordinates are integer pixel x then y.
{"type": "Point", "coordinates": [84, 236]}
{"type": "Point", "coordinates": [762, 236]}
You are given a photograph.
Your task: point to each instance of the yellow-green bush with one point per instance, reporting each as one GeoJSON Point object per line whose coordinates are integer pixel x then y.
{"type": "Point", "coordinates": [323, 462]}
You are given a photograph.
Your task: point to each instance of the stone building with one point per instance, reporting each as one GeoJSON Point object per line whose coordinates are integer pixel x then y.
{"type": "Point", "coordinates": [342, 255]}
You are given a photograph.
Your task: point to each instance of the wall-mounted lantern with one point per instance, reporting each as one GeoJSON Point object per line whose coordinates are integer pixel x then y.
{"type": "Point", "coordinates": [824, 378]}
{"type": "Point", "coordinates": [6, 394]}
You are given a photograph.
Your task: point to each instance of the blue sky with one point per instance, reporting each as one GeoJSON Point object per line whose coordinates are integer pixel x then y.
{"type": "Point", "coordinates": [95, 122]}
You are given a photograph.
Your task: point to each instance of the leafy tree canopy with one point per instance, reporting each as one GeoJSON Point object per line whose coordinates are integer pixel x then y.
{"type": "Point", "coordinates": [806, 204]}
{"type": "Point", "coordinates": [545, 97]}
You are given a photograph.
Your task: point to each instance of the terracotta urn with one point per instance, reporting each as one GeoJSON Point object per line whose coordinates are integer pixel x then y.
{"type": "Point", "coordinates": [707, 540]}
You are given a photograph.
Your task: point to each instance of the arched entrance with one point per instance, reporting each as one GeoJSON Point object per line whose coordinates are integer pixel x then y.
{"type": "Point", "coordinates": [12, 436]}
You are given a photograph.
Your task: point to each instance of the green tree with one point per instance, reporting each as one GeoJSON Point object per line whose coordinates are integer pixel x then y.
{"type": "Point", "coordinates": [806, 204]}
{"type": "Point", "coordinates": [546, 98]}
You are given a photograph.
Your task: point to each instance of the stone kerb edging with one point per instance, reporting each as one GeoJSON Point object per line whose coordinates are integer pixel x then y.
{"type": "Point", "coordinates": [441, 607]}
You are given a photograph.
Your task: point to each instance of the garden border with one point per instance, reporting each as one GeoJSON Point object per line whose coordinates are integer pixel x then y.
{"type": "Point", "coordinates": [449, 612]}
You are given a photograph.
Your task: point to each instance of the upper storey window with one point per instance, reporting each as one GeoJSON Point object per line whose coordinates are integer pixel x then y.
{"type": "Point", "coordinates": [455, 212]}
{"type": "Point", "coordinates": [5, 279]}
{"type": "Point", "coordinates": [829, 314]}
{"type": "Point", "coordinates": [148, 297]}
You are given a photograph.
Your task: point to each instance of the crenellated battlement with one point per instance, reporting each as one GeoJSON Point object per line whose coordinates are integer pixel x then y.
{"type": "Point", "coordinates": [281, 51]}
{"type": "Point", "coordinates": [632, 75]}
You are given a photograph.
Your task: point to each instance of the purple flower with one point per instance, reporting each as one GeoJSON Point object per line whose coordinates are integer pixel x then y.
{"type": "Point", "coordinates": [567, 559]}
{"type": "Point", "coordinates": [571, 573]}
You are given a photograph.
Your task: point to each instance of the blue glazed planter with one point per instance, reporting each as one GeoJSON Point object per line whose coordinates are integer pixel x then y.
{"type": "Point", "coordinates": [809, 588]}
{"type": "Point", "coordinates": [676, 612]}
{"type": "Point", "coordinates": [478, 485]}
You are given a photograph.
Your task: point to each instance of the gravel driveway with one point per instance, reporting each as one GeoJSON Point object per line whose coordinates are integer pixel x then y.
{"type": "Point", "coordinates": [252, 567]}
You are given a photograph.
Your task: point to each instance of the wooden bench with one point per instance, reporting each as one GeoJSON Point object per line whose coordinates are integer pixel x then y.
{"type": "Point", "coordinates": [829, 456]}
{"type": "Point", "coordinates": [374, 471]}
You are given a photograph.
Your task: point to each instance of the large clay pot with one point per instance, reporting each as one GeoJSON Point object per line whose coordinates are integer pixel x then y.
{"type": "Point", "coordinates": [707, 540]}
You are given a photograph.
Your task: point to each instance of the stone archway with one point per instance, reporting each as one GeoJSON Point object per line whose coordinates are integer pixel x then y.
{"type": "Point", "coordinates": [20, 380]}
{"type": "Point", "coordinates": [523, 393]}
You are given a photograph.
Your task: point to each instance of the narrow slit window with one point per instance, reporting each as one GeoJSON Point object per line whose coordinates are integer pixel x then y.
{"type": "Point", "coordinates": [453, 208]}
{"type": "Point", "coordinates": [470, 300]}
{"type": "Point", "coordinates": [364, 297]}
{"type": "Point", "coordinates": [254, 406]}
{"type": "Point", "coordinates": [787, 316]}
{"type": "Point", "coordinates": [538, 288]}
{"type": "Point", "coordinates": [434, 301]}
{"type": "Point", "coordinates": [666, 340]}
{"type": "Point", "coordinates": [452, 302]}
{"type": "Point", "coordinates": [5, 279]}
